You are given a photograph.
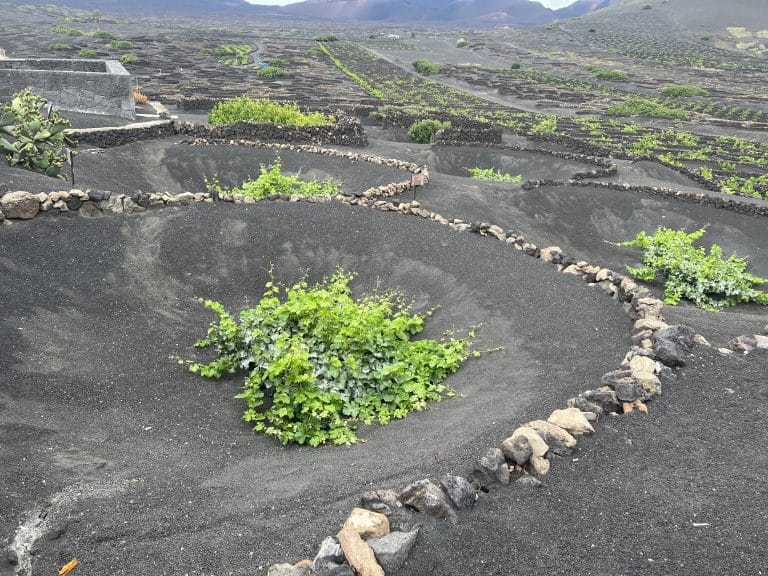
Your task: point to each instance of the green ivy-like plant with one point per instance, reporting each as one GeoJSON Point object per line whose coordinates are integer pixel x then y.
{"type": "Point", "coordinates": [319, 361]}
{"type": "Point", "coordinates": [493, 175]}
{"type": "Point", "coordinates": [707, 279]}
{"type": "Point", "coordinates": [245, 109]}
{"type": "Point", "coordinates": [32, 140]}
{"type": "Point", "coordinates": [272, 181]}
{"type": "Point", "coordinates": [422, 131]}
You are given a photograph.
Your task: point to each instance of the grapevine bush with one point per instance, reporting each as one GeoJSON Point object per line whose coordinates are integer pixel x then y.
{"type": "Point", "coordinates": [493, 175]}
{"type": "Point", "coordinates": [422, 131]}
{"type": "Point", "coordinates": [319, 361]}
{"type": "Point", "coordinates": [244, 109]}
{"type": "Point", "coordinates": [706, 279]}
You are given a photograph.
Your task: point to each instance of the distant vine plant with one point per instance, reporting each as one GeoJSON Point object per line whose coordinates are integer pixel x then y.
{"type": "Point", "coordinates": [707, 279]}
{"type": "Point", "coordinates": [319, 361]}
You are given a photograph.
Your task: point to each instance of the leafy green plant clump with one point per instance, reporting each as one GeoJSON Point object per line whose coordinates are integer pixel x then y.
{"type": "Point", "coordinates": [320, 362]}
{"type": "Point", "coordinates": [422, 131]}
{"type": "Point", "coordinates": [639, 106]}
{"type": "Point", "coordinates": [103, 35]}
{"type": "Point", "coordinates": [546, 126]}
{"type": "Point", "coordinates": [706, 279]}
{"type": "Point", "coordinates": [461, 43]}
{"type": "Point", "coordinates": [87, 53]}
{"type": "Point", "coordinates": [272, 181]}
{"type": "Point", "coordinates": [67, 31]}
{"type": "Point", "coordinates": [684, 91]}
{"type": "Point", "coordinates": [493, 175]}
{"type": "Point", "coordinates": [605, 73]}
{"type": "Point", "coordinates": [425, 67]}
{"type": "Point", "coordinates": [271, 72]}
{"type": "Point", "coordinates": [31, 139]}
{"type": "Point", "coordinates": [121, 45]}
{"type": "Point", "coordinates": [60, 47]}
{"type": "Point", "coordinates": [234, 54]}
{"type": "Point", "coordinates": [327, 38]}
{"type": "Point", "coordinates": [245, 109]}
{"type": "Point", "coordinates": [129, 59]}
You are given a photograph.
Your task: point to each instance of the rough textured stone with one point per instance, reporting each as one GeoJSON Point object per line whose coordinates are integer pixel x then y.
{"type": "Point", "coordinates": [89, 210]}
{"type": "Point", "coordinates": [629, 390]}
{"type": "Point", "coordinates": [605, 398]}
{"type": "Point", "coordinates": [652, 324]}
{"type": "Point", "coordinates": [503, 473]}
{"type": "Point", "coordinates": [288, 570]}
{"type": "Point", "coordinates": [2, 216]}
{"type": "Point", "coordinates": [572, 420]}
{"type": "Point", "coordinates": [459, 491]}
{"type": "Point", "coordinates": [559, 441]}
{"type": "Point", "coordinates": [328, 556]}
{"type": "Point", "coordinates": [743, 344]}
{"type": "Point", "coordinates": [19, 205]}
{"type": "Point", "coordinates": [548, 253]}
{"type": "Point", "coordinates": [585, 405]}
{"type": "Point", "coordinates": [649, 382]}
{"type": "Point", "coordinates": [761, 341]}
{"type": "Point", "coordinates": [392, 551]}
{"type": "Point", "coordinates": [367, 524]}
{"type": "Point", "coordinates": [425, 496]}
{"type": "Point", "coordinates": [672, 345]}
{"type": "Point", "coordinates": [340, 570]}
{"type": "Point", "coordinates": [529, 482]}
{"type": "Point", "coordinates": [517, 450]}
{"type": "Point", "coordinates": [642, 364]}
{"type": "Point", "coordinates": [492, 459]}
{"type": "Point", "coordinates": [381, 501]}
{"type": "Point", "coordinates": [358, 554]}
{"type": "Point", "coordinates": [539, 465]}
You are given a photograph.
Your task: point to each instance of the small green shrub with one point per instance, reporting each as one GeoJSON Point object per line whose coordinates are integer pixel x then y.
{"type": "Point", "coordinates": [493, 175]}
{"type": "Point", "coordinates": [546, 126]}
{"type": "Point", "coordinates": [59, 47]}
{"type": "Point", "coordinates": [103, 35]}
{"type": "Point", "coordinates": [87, 53]}
{"type": "Point", "coordinates": [514, 66]}
{"type": "Point", "coordinates": [245, 109]}
{"type": "Point", "coordinates": [327, 38]}
{"type": "Point", "coordinates": [425, 67]}
{"type": "Point", "coordinates": [605, 73]}
{"type": "Point", "coordinates": [706, 279]}
{"type": "Point", "coordinates": [31, 139]}
{"type": "Point", "coordinates": [315, 52]}
{"type": "Point", "coordinates": [639, 106]}
{"type": "Point", "coordinates": [234, 54]}
{"type": "Point", "coordinates": [67, 31]}
{"type": "Point", "coordinates": [271, 72]}
{"type": "Point", "coordinates": [683, 91]}
{"type": "Point", "coordinates": [422, 131]}
{"type": "Point", "coordinates": [129, 59]}
{"type": "Point", "coordinates": [461, 43]}
{"type": "Point", "coordinates": [320, 362]}
{"type": "Point", "coordinates": [272, 181]}
{"type": "Point", "coordinates": [120, 45]}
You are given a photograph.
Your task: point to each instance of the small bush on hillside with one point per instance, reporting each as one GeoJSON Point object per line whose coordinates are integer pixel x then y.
{"type": "Point", "coordinates": [319, 361]}
{"type": "Point", "coordinates": [547, 126]}
{"type": "Point", "coordinates": [271, 72]}
{"type": "Point", "coordinates": [87, 53]}
{"type": "Point", "coordinates": [67, 31]}
{"type": "Point", "coordinates": [120, 45]}
{"type": "Point", "coordinates": [493, 175]}
{"type": "Point", "coordinates": [327, 38]}
{"type": "Point", "coordinates": [60, 47]}
{"type": "Point", "coordinates": [272, 181]}
{"type": "Point", "coordinates": [103, 35]}
{"type": "Point", "coordinates": [129, 59]}
{"type": "Point", "coordinates": [422, 131]}
{"type": "Point", "coordinates": [706, 279]}
{"type": "Point", "coordinates": [605, 73]}
{"type": "Point", "coordinates": [461, 43]}
{"type": "Point", "coordinates": [683, 91]}
{"type": "Point", "coordinates": [425, 67]}
{"type": "Point", "coordinates": [245, 109]}
{"type": "Point", "coordinates": [639, 106]}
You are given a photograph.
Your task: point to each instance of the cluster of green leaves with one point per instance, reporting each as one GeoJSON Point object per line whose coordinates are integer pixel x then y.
{"type": "Point", "coordinates": [129, 59]}
{"type": "Point", "coordinates": [605, 73]}
{"type": "Point", "coordinates": [270, 72]}
{"type": "Point", "coordinates": [60, 47]}
{"type": "Point", "coordinates": [706, 278]}
{"type": "Point", "coordinates": [272, 181]}
{"type": "Point", "coordinates": [461, 43]}
{"type": "Point", "coordinates": [426, 67]}
{"type": "Point", "coordinates": [103, 35]}
{"type": "Point", "coordinates": [245, 109]}
{"type": "Point", "coordinates": [640, 106]}
{"type": "Point", "coordinates": [67, 31]}
{"type": "Point", "coordinates": [233, 54]}
{"type": "Point", "coordinates": [121, 45]}
{"type": "Point", "coordinates": [422, 131]}
{"type": "Point", "coordinates": [87, 53]}
{"type": "Point", "coordinates": [684, 91]}
{"type": "Point", "coordinates": [31, 139]}
{"type": "Point", "coordinates": [326, 38]}
{"type": "Point", "coordinates": [493, 175]}
{"type": "Point", "coordinates": [320, 362]}
{"type": "Point", "coordinates": [546, 126]}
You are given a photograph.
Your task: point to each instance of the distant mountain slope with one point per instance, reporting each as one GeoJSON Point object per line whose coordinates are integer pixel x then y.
{"type": "Point", "coordinates": [155, 7]}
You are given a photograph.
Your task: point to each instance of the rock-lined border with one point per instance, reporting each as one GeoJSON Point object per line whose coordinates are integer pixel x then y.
{"type": "Point", "coordinates": [347, 131]}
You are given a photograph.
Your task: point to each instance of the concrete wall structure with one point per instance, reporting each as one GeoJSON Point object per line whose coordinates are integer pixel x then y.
{"type": "Point", "coordinates": [91, 86]}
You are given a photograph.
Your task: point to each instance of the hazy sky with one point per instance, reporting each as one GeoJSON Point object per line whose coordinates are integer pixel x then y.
{"type": "Point", "coordinates": [549, 3]}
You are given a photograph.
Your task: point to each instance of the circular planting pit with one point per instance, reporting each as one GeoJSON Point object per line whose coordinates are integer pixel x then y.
{"type": "Point", "coordinates": [455, 161]}
{"type": "Point", "coordinates": [122, 457]}
{"type": "Point", "coordinates": [169, 165]}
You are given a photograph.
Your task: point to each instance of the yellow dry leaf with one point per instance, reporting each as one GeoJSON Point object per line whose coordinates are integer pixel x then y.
{"type": "Point", "coordinates": [68, 567]}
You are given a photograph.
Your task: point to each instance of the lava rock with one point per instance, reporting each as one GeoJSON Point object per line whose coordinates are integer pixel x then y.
{"type": "Point", "coordinates": [572, 420]}
{"type": "Point", "coordinates": [381, 501]}
{"type": "Point", "coordinates": [392, 550]}
{"type": "Point", "coordinates": [517, 450]}
{"type": "Point", "coordinates": [459, 490]}
{"type": "Point", "coordinates": [328, 556]}
{"type": "Point", "coordinates": [367, 524]}
{"type": "Point", "coordinates": [425, 496]}
{"type": "Point", "coordinates": [19, 205]}
{"type": "Point", "coordinates": [559, 440]}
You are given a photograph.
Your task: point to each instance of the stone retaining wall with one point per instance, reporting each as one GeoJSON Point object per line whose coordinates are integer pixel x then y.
{"type": "Point", "coordinates": [90, 86]}
{"type": "Point", "coordinates": [347, 131]}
